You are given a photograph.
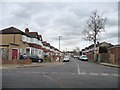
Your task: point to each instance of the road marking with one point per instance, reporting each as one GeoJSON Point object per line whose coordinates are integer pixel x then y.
{"type": "Point", "coordinates": [17, 71]}
{"type": "Point", "coordinates": [26, 72]}
{"type": "Point", "coordinates": [78, 68]}
{"type": "Point", "coordinates": [82, 73]}
{"type": "Point", "coordinates": [73, 73]}
{"type": "Point", "coordinates": [114, 74]}
{"type": "Point", "coordinates": [105, 74]}
{"type": "Point", "coordinates": [94, 74]}
{"type": "Point", "coordinates": [9, 71]}
{"type": "Point", "coordinates": [34, 72]}
{"type": "Point", "coordinates": [56, 80]}
{"type": "Point", "coordinates": [53, 72]}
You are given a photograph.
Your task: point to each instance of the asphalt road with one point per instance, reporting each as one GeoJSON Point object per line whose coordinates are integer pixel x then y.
{"type": "Point", "coordinates": [73, 74]}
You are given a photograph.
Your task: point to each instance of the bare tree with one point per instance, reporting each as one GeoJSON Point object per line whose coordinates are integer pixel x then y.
{"type": "Point", "coordinates": [95, 25]}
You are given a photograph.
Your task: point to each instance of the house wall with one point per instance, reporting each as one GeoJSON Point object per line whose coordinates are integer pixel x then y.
{"type": "Point", "coordinates": [14, 39]}
{"type": "Point", "coordinates": [10, 38]}
{"type": "Point", "coordinates": [105, 57]}
{"type": "Point", "coordinates": [115, 53]}
{"type": "Point", "coordinates": [90, 56]}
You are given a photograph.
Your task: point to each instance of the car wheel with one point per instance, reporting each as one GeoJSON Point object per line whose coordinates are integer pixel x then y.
{"type": "Point", "coordinates": [39, 61]}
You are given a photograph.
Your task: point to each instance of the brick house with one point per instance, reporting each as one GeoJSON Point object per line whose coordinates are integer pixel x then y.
{"type": "Point", "coordinates": [114, 54]}
{"type": "Point", "coordinates": [12, 43]}
{"type": "Point", "coordinates": [15, 42]}
{"type": "Point", "coordinates": [89, 51]}
{"type": "Point", "coordinates": [35, 43]}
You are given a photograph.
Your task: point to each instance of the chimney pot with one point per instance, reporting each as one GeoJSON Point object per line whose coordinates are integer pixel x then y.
{"type": "Point", "coordinates": [27, 30]}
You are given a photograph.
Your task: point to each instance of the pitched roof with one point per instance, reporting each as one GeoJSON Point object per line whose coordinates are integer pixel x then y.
{"type": "Point", "coordinates": [32, 34]}
{"type": "Point", "coordinates": [11, 30]}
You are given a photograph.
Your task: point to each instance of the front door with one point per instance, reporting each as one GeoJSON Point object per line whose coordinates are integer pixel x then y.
{"type": "Point", "coordinates": [14, 53]}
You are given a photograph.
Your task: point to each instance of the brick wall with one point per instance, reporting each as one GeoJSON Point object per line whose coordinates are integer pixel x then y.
{"type": "Point", "coordinates": [105, 57]}
{"type": "Point", "coordinates": [116, 52]}
{"type": "Point", "coordinates": [15, 61]}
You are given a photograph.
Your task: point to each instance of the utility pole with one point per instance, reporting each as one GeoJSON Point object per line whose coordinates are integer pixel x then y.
{"type": "Point", "coordinates": [59, 47]}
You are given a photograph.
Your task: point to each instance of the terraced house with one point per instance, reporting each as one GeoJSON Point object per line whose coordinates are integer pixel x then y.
{"type": "Point", "coordinates": [35, 43]}
{"type": "Point", "coordinates": [16, 42]}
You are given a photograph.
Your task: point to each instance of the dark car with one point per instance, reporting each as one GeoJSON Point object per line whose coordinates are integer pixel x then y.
{"type": "Point", "coordinates": [35, 58]}
{"type": "Point", "coordinates": [23, 57]}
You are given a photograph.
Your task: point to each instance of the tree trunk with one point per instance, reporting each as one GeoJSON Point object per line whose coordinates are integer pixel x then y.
{"type": "Point", "coordinates": [95, 59]}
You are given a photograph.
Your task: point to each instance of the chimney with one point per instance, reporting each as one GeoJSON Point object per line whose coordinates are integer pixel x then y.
{"type": "Point", "coordinates": [98, 43]}
{"type": "Point", "coordinates": [40, 37]}
{"type": "Point", "coordinates": [26, 30]}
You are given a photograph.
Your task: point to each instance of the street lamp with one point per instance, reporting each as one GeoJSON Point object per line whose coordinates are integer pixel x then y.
{"type": "Point", "coordinates": [59, 47]}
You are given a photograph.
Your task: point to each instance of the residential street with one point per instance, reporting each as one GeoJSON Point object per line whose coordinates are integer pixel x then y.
{"type": "Point", "coordinates": [73, 74]}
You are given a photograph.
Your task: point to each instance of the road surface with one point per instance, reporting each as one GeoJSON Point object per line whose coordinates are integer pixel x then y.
{"type": "Point", "coordinates": [73, 74]}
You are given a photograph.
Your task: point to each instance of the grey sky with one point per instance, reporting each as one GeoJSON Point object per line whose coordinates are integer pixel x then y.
{"type": "Point", "coordinates": [66, 19]}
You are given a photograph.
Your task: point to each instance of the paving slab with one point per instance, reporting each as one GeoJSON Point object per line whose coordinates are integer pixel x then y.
{"type": "Point", "coordinates": [7, 66]}
{"type": "Point", "coordinates": [111, 65]}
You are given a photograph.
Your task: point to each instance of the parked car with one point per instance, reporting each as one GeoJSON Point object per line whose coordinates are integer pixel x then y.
{"type": "Point", "coordinates": [23, 57]}
{"type": "Point", "coordinates": [66, 59]}
{"type": "Point", "coordinates": [35, 58]}
{"type": "Point", "coordinates": [75, 56]}
{"type": "Point", "coordinates": [83, 58]}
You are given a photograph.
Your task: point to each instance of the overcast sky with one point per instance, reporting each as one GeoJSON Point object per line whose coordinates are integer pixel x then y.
{"type": "Point", "coordinates": [66, 19]}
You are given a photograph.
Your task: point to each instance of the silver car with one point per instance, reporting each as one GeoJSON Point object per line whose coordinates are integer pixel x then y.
{"type": "Point", "coordinates": [66, 59]}
{"type": "Point", "coordinates": [83, 58]}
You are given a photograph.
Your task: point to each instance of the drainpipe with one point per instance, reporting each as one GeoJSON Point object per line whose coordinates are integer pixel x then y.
{"type": "Point", "coordinates": [14, 39]}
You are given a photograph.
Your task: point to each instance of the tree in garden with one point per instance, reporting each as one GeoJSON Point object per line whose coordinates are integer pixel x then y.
{"type": "Point", "coordinates": [94, 25]}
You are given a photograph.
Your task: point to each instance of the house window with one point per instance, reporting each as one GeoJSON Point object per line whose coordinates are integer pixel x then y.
{"type": "Point", "coordinates": [36, 41]}
{"type": "Point", "coordinates": [39, 42]}
{"type": "Point", "coordinates": [28, 39]}
{"type": "Point", "coordinates": [22, 51]}
{"type": "Point", "coordinates": [23, 38]}
{"type": "Point", "coordinates": [32, 40]}
{"type": "Point", "coordinates": [40, 52]}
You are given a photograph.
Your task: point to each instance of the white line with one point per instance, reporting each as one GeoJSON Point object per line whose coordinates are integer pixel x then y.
{"type": "Point", "coordinates": [73, 73]}
{"type": "Point", "coordinates": [17, 71]}
{"type": "Point", "coordinates": [78, 68]}
{"type": "Point", "coordinates": [83, 73]}
{"type": "Point", "coordinates": [26, 72]}
{"type": "Point", "coordinates": [93, 73]}
{"type": "Point", "coordinates": [104, 74]}
{"type": "Point", "coordinates": [54, 72]}
{"type": "Point", "coordinates": [9, 71]}
{"type": "Point", "coordinates": [34, 72]}
{"type": "Point", "coordinates": [114, 74]}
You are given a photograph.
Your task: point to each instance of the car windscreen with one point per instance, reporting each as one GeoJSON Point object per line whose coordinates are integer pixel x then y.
{"type": "Point", "coordinates": [84, 56]}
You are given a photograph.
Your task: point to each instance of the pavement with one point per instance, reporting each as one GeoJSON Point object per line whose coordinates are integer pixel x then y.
{"type": "Point", "coordinates": [111, 65]}
{"type": "Point", "coordinates": [7, 66]}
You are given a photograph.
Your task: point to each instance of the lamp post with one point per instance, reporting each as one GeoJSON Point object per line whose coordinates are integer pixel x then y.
{"type": "Point", "coordinates": [59, 47]}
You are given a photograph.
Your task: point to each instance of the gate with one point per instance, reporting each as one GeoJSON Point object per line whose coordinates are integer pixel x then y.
{"type": "Point", "coordinates": [4, 53]}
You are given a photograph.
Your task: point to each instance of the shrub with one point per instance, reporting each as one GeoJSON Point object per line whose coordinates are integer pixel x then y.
{"type": "Point", "coordinates": [103, 49]}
